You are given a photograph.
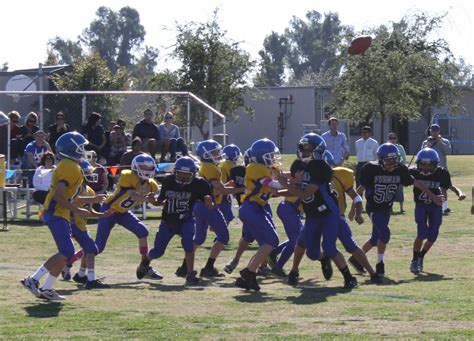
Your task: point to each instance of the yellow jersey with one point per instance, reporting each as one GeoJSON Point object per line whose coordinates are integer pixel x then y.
{"type": "Point", "coordinates": [255, 191]}
{"type": "Point", "coordinates": [225, 168]}
{"type": "Point", "coordinates": [81, 223]}
{"type": "Point", "coordinates": [120, 200]}
{"type": "Point", "coordinates": [342, 181]}
{"type": "Point", "coordinates": [67, 172]}
{"type": "Point", "coordinates": [210, 172]}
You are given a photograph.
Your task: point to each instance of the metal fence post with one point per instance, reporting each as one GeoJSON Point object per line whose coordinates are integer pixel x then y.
{"type": "Point", "coordinates": [84, 109]}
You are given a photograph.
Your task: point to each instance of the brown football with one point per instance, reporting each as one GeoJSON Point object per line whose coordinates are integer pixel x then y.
{"type": "Point", "coordinates": [359, 45]}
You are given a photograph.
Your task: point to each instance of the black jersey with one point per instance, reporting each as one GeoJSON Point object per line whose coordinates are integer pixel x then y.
{"type": "Point", "coordinates": [322, 202]}
{"type": "Point", "coordinates": [237, 175]}
{"type": "Point", "coordinates": [381, 185]}
{"type": "Point", "coordinates": [179, 199]}
{"type": "Point", "coordinates": [297, 165]}
{"type": "Point", "coordinates": [440, 178]}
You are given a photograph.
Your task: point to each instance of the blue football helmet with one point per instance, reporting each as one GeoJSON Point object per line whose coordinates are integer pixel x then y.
{"type": "Point", "coordinates": [329, 158]}
{"type": "Point", "coordinates": [232, 153]}
{"type": "Point", "coordinates": [427, 160]}
{"type": "Point", "coordinates": [265, 151]}
{"type": "Point", "coordinates": [311, 144]}
{"type": "Point", "coordinates": [72, 146]}
{"type": "Point", "coordinates": [144, 166]}
{"type": "Point", "coordinates": [388, 156]}
{"type": "Point", "coordinates": [88, 171]}
{"type": "Point", "coordinates": [247, 157]}
{"type": "Point", "coordinates": [209, 151]}
{"type": "Point", "coordinates": [185, 170]}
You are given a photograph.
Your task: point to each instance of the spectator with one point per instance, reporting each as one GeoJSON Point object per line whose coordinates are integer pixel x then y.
{"type": "Point", "coordinates": [26, 131]}
{"type": "Point", "coordinates": [126, 160]}
{"type": "Point", "coordinates": [336, 142]}
{"type": "Point", "coordinates": [95, 133]}
{"type": "Point", "coordinates": [42, 177]}
{"type": "Point", "coordinates": [366, 150]}
{"type": "Point", "coordinates": [33, 153]}
{"type": "Point", "coordinates": [118, 145]}
{"type": "Point", "coordinates": [15, 133]}
{"type": "Point", "coordinates": [100, 186]}
{"type": "Point", "coordinates": [443, 148]}
{"type": "Point", "coordinates": [57, 129]}
{"type": "Point", "coordinates": [148, 132]}
{"type": "Point", "coordinates": [170, 140]}
{"type": "Point", "coordinates": [123, 124]}
{"type": "Point", "coordinates": [399, 197]}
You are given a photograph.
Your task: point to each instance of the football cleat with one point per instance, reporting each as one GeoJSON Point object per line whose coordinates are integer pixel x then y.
{"type": "Point", "coordinates": [278, 272]}
{"type": "Point", "coordinates": [142, 269]}
{"type": "Point", "coordinates": [230, 267]}
{"type": "Point", "coordinates": [376, 279]}
{"type": "Point", "coordinates": [415, 267]}
{"type": "Point", "coordinates": [326, 268]}
{"type": "Point", "coordinates": [153, 274]}
{"type": "Point", "coordinates": [210, 272]}
{"type": "Point", "coordinates": [250, 278]}
{"type": "Point", "coordinates": [181, 271]}
{"type": "Point", "coordinates": [420, 263]}
{"type": "Point", "coordinates": [32, 285]}
{"type": "Point", "coordinates": [240, 283]}
{"type": "Point", "coordinates": [380, 268]}
{"type": "Point", "coordinates": [191, 279]}
{"type": "Point", "coordinates": [293, 278]}
{"type": "Point", "coordinates": [79, 279]}
{"type": "Point", "coordinates": [356, 265]}
{"type": "Point", "coordinates": [263, 270]}
{"type": "Point", "coordinates": [66, 272]}
{"type": "Point", "coordinates": [50, 295]}
{"type": "Point", "coordinates": [351, 283]}
{"type": "Point", "coordinates": [96, 284]}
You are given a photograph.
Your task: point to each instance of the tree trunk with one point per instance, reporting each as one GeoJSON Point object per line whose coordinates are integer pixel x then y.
{"type": "Point", "coordinates": [382, 128]}
{"type": "Point", "coordinates": [205, 134]}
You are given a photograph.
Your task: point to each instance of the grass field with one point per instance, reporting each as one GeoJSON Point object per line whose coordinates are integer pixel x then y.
{"type": "Point", "coordinates": [439, 304]}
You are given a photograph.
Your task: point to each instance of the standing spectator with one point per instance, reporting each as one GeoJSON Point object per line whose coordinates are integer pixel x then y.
{"type": "Point", "coordinates": [94, 132]}
{"type": "Point", "coordinates": [26, 131]}
{"type": "Point", "coordinates": [366, 150]}
{"type": "Point", "coordinates": [33, 153]}
{"type": "Point", "coordinates": [126, 160]}
{"type": "Point", "coordinates": [118, 145]}
{"type": "Point", "coordinates": [399, 197]}
{"type": "Point", "coordinates": [170, 139]}
{"type": "Point", "coordinates": [100, 186]}
{"type": "Point", "coordinates": [148, 132]}
{"type": "Point", "coordinates": [57, 129]}
{"type": "Point", "coordinates": [43, 176]}
{"type": "Point", "coordinates": [336, 142]}
{"type": "Point", "coordinates": [15, 133]}
{"type": "Point", "coordinates": [443, 148]}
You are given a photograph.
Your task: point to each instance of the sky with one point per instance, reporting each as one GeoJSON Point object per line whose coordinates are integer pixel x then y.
{"type": "Point", "coordinates": [28, 25]}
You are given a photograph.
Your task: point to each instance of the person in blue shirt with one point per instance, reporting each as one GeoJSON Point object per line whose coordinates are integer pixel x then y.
{"type": "Point", "coordinates": [32, 154]}
{"type": "Point", "coordinates": [170, 139]}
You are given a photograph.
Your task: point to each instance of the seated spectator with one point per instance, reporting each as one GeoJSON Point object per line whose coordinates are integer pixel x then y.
{"type": "Point", "coordinates": [95, 134]}
{"type": "Point", "coordinates": [118, 145]}
{"type": "Point", "coordinates": [57, 129]}
{"type": "Point", "coordinates": [26, 131]}
{"type": "Point", "coordinates": [42, 177]}
{"type": "Point", "coordinates": [170, 139]}
{"type": "Point", "coordinates": [126, 160]}
{"type": "Point", "coordinates": [123, 124]}
{"type": "Point", "coordinates": [100, 186]}
{"type": "Point", "coordinates": [33, 153]}
{"type": "Point", "coordinates": [148, 132]}
{"type": "Point", "coordinates": [15, 134]}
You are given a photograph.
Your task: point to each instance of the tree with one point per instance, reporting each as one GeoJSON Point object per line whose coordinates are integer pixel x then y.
{"type": "Point", "coordinates": [213, 67]}
{"type": "Point", "coordinates": [402, 75]}
{"type": "Point", "coordinates": [273, 57]}
{"type": "Point", "coordinates": [89, 73]}
{"type": "Point", "coordinates": [115, 36]}
{"type": "Point", "coordinates": [144, 69]}
{"type": "Point", "coordinates": [63, 51]}
{"type": "Point", "coordinates": [314, 44]}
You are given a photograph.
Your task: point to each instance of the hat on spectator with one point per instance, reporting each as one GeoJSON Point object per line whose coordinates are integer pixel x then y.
{"type": "Point", "coordinates": [39, 132]}
{"type": "Point", "coordinates": [168, 115]}
{"type": "Point", "coordinates": [435, 127]}
{"type": "Point", "coordinates": [117, 127]}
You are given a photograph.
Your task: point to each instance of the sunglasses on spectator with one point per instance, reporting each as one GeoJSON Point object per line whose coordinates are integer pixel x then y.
{"type": "Point", "coordinates": [392, 138]}
{"type": "Point", "coordinates": [32, 121]}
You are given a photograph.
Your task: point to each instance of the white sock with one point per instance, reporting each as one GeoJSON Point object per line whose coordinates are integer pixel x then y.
{"type": "Point", "coordinates": [91, 275]}
{"type": "Point", "coordinates": [445, 205]}
{"type": "Point", "coordinates": [40, 273]}
{"type": "Point", "coordinates": [379, 257]}
{"type": "Point", "coordinates": [81, 272]}
{"type": "Point", "coordinates": [48, 284]}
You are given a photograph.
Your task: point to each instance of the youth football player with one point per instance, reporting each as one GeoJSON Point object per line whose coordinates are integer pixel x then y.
{"type": "Point", "coordinates": [232, 157]}
{"type": "Point", "coordinates": [428, 216]}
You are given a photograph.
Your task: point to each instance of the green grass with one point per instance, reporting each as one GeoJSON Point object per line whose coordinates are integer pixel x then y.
{"type": "Point", "coordinates": [436, 305]}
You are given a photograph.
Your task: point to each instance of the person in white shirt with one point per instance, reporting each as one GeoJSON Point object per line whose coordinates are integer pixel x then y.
{"type": "Point", "coordinates": [366, 150]}
{"type": "Point", "coordinates": [42, 177]}
{"type": "Point", "coordinates": [336, 142]}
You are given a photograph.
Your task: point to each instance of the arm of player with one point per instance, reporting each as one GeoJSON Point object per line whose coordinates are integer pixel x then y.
{"type": "Point", "coordinates": [461, 196]}
{"type": "Point", "coordinates": [209, 202]}
{"type": "Point", "coordinates": [97, 199]}
{"type": "Point", "coordinates": [60, 197]}
{"type": "Point", "coordinates": [356, 208]}
{"type": "Point", "coordinates": [438, 200]}
{"type": "Point", "coordinates": [135, 196]}
{"type": "Point", "coordinates": [222, 189]}
{"type": "Point", "coordinates": [296, 191]}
